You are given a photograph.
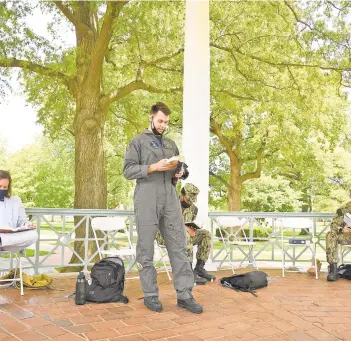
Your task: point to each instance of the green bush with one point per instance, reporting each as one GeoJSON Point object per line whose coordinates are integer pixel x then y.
{"type": "Point", "coordinates": [258, 232]}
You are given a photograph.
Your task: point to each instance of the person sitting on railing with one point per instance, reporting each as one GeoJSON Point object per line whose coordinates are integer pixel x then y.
{"type": "Point", "coordinates": [339, 233]}
{"type": "Point", "coordinates": [15, 232]}
{"type": "Point", "coordinates": [199, 237]}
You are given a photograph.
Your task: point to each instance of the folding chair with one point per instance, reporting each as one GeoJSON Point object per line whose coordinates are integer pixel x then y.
{"type": "Point", "coordinates": [163, 253]}
{"type": "Point", "coordinates": [110, 226]}
{"type": "Point", "coordinates": [12, 281]}
{"type": "Point", "coordinates": [232, 240]}
{"type": "Point", "coordinates": [295, 224]}
{"type": "Point", "coordinates": [345, 249]}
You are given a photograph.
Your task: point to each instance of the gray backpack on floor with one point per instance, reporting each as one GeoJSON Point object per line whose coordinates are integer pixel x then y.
{"type": "Point", "coordinates": [107, 281]}
{"type": "Point", "coordinates": [248, 282]}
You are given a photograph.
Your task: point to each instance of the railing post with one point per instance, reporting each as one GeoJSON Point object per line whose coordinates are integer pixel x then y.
{"type": "Point", "coordinates": [273, 235]}
{"type": "Point", "coordinates": [86, 241]}
{"type": "Point", "coordinates": [251, 259]}
{"type": "Point", "coordinates": [37, 247]}
{"type": "Point", "coordinates": [212, 238]}
{"type": "Point", "coordinates": [63, 231]}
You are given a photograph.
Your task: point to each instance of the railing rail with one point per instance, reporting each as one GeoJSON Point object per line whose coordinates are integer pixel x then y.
{"type": "Point", "coordinates": [57, 234]}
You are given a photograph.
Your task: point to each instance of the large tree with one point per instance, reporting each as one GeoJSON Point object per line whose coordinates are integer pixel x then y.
{"type": "Point", "coordinates": [120, 48]}
{"type": "Point", "coordinates": [274, 90]}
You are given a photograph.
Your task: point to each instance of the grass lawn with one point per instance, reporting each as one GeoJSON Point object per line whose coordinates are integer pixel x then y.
{"type": "Point", "coordinates": [29, 253]}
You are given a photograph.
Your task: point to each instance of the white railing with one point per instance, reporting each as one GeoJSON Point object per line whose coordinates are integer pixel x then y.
{"type": "Point", "coordinates": [57, 229]}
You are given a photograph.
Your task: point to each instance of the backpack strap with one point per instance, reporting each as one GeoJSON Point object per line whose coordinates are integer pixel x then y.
{"type": "Point", "coordinates": [228, 285]}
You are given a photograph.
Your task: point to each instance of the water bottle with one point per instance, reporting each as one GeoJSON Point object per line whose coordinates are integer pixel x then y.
{"type": "Point", "coordinates": [80, 289]}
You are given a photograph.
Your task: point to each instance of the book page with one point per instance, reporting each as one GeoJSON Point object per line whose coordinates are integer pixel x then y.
{"type": "Point", "coordinates": [175, 159]}
{"type": "Point", "coordinates": [25, 227]}
{"type": "Point", "coordinates": [347, 219]}
{"type": "Point", "coordinates": [6, 229]}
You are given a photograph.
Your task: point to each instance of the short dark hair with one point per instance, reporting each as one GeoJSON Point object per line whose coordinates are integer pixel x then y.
{"type": "Point", "coordinates": [6, 175]}
{"type": "Point", "coordinates": [159, 106]}
{"type": "Point", "coordinates": [183, 191]}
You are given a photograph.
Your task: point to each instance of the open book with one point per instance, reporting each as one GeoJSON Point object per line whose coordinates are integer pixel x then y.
{"type": "Point", "coordinates": [194, 224]}
{"type": "Point", "coordinates": [347, 219]}
{"type": "Point", "coordinates": [25, 227]}
{"type": "Point", "coordinates": [175, 159]}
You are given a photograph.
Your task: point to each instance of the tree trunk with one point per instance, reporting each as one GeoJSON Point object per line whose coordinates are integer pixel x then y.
{"type": "Point", "coordinates": [89, 121]}
{"type": "Point", "coordinates": [90, 173]}
{"type": "Point", "coordinates": [234, 193]}
{"type": "Point", "coordinates": [306, 207]}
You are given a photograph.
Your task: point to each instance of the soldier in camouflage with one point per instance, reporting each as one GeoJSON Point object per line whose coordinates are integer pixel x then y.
{"type": "Point", "coordinates": [339, 233]}
{"type": "Point", "coordinates": [199, 237]}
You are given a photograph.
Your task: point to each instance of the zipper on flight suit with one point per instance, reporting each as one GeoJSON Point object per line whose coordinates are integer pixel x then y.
{"type": "Point", "coordinates": [164, 156]}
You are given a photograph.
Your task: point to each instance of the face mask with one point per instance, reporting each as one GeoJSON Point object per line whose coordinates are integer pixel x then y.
{"type": "Point", "coordinates": [184, 204]}
{"type": "Point", "coordinates": [154, 130]}
{"type": "Point", "coordinates": [3, 194]}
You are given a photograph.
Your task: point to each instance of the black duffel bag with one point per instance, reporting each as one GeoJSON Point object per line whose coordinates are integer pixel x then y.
{"type": "Point", "coordinates": [248, 282]}
{"type": "Point", "coordinates": [344, 271]}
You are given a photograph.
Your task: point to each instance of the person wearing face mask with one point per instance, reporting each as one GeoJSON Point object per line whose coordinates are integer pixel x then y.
{"type": "Point", "coordinates": [199, 237]}
{"type": "Point", "coordinates": [12, 215]}
{"type": "Point", "coordinates": [157, 206]}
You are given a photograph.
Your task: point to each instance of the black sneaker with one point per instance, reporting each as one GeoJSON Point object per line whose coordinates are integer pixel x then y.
{"type": "Point", "coordinates": [153, 303]}
{"type": "Point", "coordinates": [191, 305]}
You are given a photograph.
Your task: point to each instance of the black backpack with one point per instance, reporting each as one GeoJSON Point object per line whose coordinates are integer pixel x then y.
{"type": "Point", "coordinates": [107, 281]}
{"type": "Point", "coordinates": [344, 271]}
{"type": "Point", "coordinates": [248, 282]}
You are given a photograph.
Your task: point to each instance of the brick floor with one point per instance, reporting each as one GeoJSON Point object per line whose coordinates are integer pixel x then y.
{"type": "Point", "coordinates": [296, 307]}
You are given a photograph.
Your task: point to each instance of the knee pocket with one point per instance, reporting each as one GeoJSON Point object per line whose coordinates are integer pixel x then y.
{"type": "Point", "coordinates": [176, 238]}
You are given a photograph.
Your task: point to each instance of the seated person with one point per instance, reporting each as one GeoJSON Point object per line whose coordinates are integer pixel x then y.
{"type": "Point", "coordinates": [339, 233]}
{"type": "Point", "coordinates": [12, 215]}
{"type": "Point", "coordinates": [199, 237]}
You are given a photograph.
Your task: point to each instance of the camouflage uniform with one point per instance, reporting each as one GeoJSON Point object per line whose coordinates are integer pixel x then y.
{"type": "Point", "coordinates": [202, 238]}
{"type": "Point", "coordinates": [335, 235]}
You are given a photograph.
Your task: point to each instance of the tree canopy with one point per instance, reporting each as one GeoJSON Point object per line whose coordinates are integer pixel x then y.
{"type": "Point", "coordinates": [280, 119]}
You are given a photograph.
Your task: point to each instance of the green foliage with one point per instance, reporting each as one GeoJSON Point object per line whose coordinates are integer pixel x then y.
{"type": "Point", "coordinates": [258, 232]}
{"type": "Point", "coordinates": [43, 174]}
{"type": "Point", "coordinates": [270, 195]}
{"type": "Point", "coordinates": [275, 108]}
{"type": "Point", "coordinates": [277, 70]}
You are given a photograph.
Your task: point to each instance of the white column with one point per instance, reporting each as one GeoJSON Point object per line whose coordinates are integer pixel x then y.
{"type": "Point", "coordinates": [196, 105]}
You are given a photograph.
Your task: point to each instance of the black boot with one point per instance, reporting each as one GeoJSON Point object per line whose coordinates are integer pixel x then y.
{"type": "Point", "coordinates": [197, 279]}
{"type": "Point", "coordinates": [153, 303]}
{"type": "Point", "coordinates": [333, 272]}
{"type": "Point", "coordinates": [201, 271]}
{"type": "Point", "coordinates": [191, 305]}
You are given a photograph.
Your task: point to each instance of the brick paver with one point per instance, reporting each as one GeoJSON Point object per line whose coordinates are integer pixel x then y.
{"type": "Point", "coordinates": [296, 307]}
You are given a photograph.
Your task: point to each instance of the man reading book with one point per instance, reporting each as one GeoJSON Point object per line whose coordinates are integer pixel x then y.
{"type": "Point", "coordinates": [156, 207]}
{"type": "Point", "coordinates": [194, 235]}
{"type": "Point", "coordinates": [340, 232]}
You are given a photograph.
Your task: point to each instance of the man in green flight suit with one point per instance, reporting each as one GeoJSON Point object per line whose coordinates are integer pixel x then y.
{"type": "Point", "coordinates": [156, 207]}
{"type": "Point", "coordinates": [339, 233]}
{"type": "Point", "coordinates": [199, 237]}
